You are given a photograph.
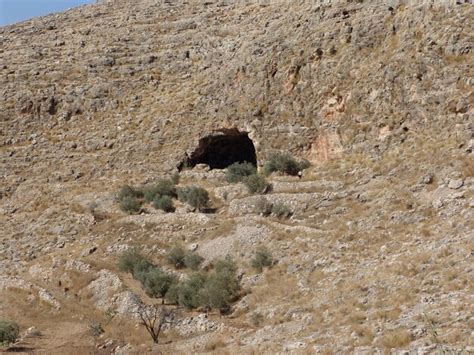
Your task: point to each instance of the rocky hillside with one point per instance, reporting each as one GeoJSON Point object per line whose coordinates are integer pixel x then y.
{"type": "Point", "coordinates": [376, 255]}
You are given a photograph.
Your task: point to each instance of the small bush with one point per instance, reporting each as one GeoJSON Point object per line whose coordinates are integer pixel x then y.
{"type": "Point", "coordinates": [262, 259]}
{"type": "Point", "coordinates": [193, 260]}
{"type": "Point", "coordinates": [96, 330]}
{"type": "Point", "coordinates": [263, 207]}
{"type": "Point", "coordinates": [304, 164]}
{"type": "Point", "coordinates": [128, 191]}
{"type": "Point", "coordinates": [164, 203]}
{"type": "Point", "coordinates": [221, 287]}
{"type": "Point", "coordinates": [280, 210]}
{"type": "Point", "coordinates": [186, 293]}
{"type": "Point", "coordinates": [226, 265]}
{"type": "Point", "coordinates": [9, 332]}
{"type": "Point", "coordinates": [164, 187]}
{"type": "Point", "coordinates": [130, 205]}
{"type": "Point", "coordinates": [237, 172]}
{"type": "Point", "coordinates": [196, 197]}
{"type": "Point", "coordinates": [284, 163]}
{"type": "Point", "coordinates": [129, 199]}
{"type": "Point", "coordinates": [176, 256]}
{"type": "Point", "coordinates": [141, 266]}
{"type": "Point", "coordinates": [155, 282]}
{"type": "Point", "coordinates": [175, 178]}
{"type": "Point", "coordinates": [395, 339]}
{"type": "Point", "coordinates": [214, 290]}
{"type": "Point", "coordinates": [256, 184]}
{"type": "Point", "coordinates": [129, 259]}
{"type": "Point", "coordinates": [179, 258]}
{"type": "Point", "coordinates": [214, 344]}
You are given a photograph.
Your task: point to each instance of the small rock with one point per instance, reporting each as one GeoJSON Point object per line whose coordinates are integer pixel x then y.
{"type": "Point", "coordinates": [89, 251]}
{"type": "Point", "coordinates": [292, 268]}
{"type": "Point", "coordinates": [32, 332]}
{"type": "Point", "coordinates": [108, 62]}
{"type": "Point", "coordinates": [202, 167]}
{"type": "Point", "coordinates": [455, 184]}
{"type": "Point", "coordinates": [437, 204]}
{"type": "Point", "coordinates": [427, 179]}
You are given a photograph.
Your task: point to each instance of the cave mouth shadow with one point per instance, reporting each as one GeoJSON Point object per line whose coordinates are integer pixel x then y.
{"type": "Point", "coordinates": [222, 149]}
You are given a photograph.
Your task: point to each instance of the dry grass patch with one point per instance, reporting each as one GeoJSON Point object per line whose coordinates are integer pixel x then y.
{"type": "Point", "coordinates": [364, 333]}
{"type": "Point", "coordinates": [395, 339]}
{"type": "Point", "coordinates": [388, 314]}
{"type": "Point", "coordinates": [223, 228]}
{"type": "Point", "coordinates": [216, 343]}
{"type": "Point", "coordinates": [316, 276]}
{"type": "Point", "coordinates": [276, 287]}
{"type": "Point", "coordinates": [454, 337]}
{"type": "Point", "coordinates": [356, 317]}
{"type": "Point", "coordinates": [467, 167]}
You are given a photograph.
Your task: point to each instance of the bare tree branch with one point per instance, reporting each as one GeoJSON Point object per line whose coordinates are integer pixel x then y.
{"type": "Point", "coordinates": [154, 317]}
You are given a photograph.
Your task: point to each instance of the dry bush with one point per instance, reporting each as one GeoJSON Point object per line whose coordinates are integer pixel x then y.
{"type": "Point", "coordinates": [263, 258]}
{"type": "Point", "coordinates": [395, 339]}
{"type": "Point", "coordinates": [153, 318]}
{"type": "Point", "coordinates": [364, 333]}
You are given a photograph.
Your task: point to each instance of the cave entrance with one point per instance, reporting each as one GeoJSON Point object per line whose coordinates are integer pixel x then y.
{"type": "Point", "coordinates": [222, 149]}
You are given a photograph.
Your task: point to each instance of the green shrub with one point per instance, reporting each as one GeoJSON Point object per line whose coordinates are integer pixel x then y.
{"type": "Point", "coordinates": [130, 205]}
{"type": "Point", "coordinates": [132, 260]}
{"type": "Point", "coordinates": [262, 259]}
{"type": "Point", "coordinates": [280, 210]}
{"type": "Point", "coordinates": [193, 260]}
{"type": "Point", "coordinates": [256, 184]}
{"type": "Point", "coordinates": [186, 293]}
{"type": "Point", "coordinates": [179, 258]}
{"type": "Point", "coordinates": [176, 256]}
{"type": "Point", "coordinates": [128, 191]}
{"type": "Point", "coordinates": [216, 289]}
{"type": "Point", "coordinates": [304, 164]}
{"type": "Point", "coordinates": [129, 199]}
{"type": "Point", "coordinates": [164, 187]}
{"type": "Point", "coordinates": [164, 203]}
{"type": "Point", "coordinates": [172, 296]}
{"type": "Point", "coordinates": [214, 293]}
{"type": "Point", "coordinates": [96, 330]}
{"type": "Point", "coordinates": [263, 207]}
{"type": "Point", "coordinates": [221, 287]}
{"type": "Point", "coordinates": [9, 332]}
{"type": "Point", "coordinates": [284, 163]}
{"type": "Point", "coordinates": [196, 197]}
{"type": "Point", "coordinates": [141, 266]}
{"type": "Point", "coordinates": [237, 172]}
{"type": "Point", "coordinates": [155, 282]}
{"type": "Point", "coordinates": [226, 265]}
{"type": "Point", "coordinates": [175, 178]}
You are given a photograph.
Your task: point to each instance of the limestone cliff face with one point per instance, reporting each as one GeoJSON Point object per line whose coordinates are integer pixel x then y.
{"type": "Point", "coordinates": [142, 81]}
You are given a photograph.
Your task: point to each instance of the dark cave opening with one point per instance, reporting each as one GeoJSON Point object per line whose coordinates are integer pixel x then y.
{"type": "Point", "coordinates": [222, 149]}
